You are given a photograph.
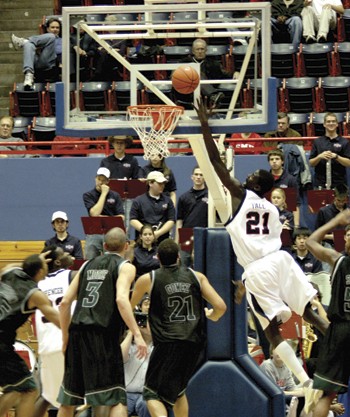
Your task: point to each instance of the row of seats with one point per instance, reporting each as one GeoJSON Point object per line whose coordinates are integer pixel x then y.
{"type": "Point", "coordinates": [308, 125]}
{"type": "Point", "coordinates": [297, 95]}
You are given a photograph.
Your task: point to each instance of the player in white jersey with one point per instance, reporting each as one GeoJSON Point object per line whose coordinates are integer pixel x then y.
{"type": "Point", "coordinates": [273, 282]}
{"type": "Point", "coordinates": [49, 336]}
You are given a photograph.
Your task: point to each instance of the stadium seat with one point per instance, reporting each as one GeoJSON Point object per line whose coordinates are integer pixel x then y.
{"type": "Point", "coordinates": [298, 122]}
{"type": "Point", "coordinates": [174, 54]}
{"type": "Point", "coordinates": [283, 60]}
{"type": "Point", "coordinates": [220, 16]}
{"type": "Point", "coordinates": [239, 52]}
{"type": "Point", "coordinates": [343, 54]}
{"type": "Point", "coordinates": [95, 96]}
{"type": "Point", "coordinates": [184, 17]}
{"type": "Point", "coordinates": [26, 103]}
{"type": "Point", "coordinates": [122, 92]}
{"type": "Point", "coordinates": [43, 129]}
{"type": "Point", "coordinates": [49, 98]}
{"type": "Point", "coordinates": [335, 94]}
{"type": "Point", "coordinates": [148, 97]}
{"type": "Point", "coordinates": [298, 95]}
{"type": "Point", "coordinates": [21, 126]}
{"type": "Point", "coordinates": [316, 59]}
{"type": "Point", "coordinates": [346, 21]}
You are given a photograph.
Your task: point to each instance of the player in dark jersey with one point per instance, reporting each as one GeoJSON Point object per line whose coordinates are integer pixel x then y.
{"type": "Point", "coordinates": [19, 297]}
{"type": "Point", "coordinates": [333, 364]}
{"type": "Point", "coordinates": [91, 337]}
{"type": "Point", "coordinates": [177, 319]}
{"type": "Point", "coordinates": [275, 285]}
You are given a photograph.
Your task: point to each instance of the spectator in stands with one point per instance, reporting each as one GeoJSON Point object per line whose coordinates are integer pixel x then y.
{"type": "Point", "coordinates": [278, 199]}
{"type": "Point", "coordinates": [41, 52]}
{"type": "Point", "coordinates": [332, 149]}
{"type": "Point", "coordinates": [306, 260]}
{"type": "Point", "coordinates": [154, 208]}
{"type": "Point", "coordinates": [283, 131]}
{"type": "Point", "coordinates": [107, 68]}
{"type": "Point", "coordinates": [242, 146]}
{"type": "Point", "coordinates": [192, 210]}
{"type": "Point", "coordinates": [286, 16]}
{"type": "Point", "coordinates": [319, 16]}
{"type": "Point", "coordinates": [276, 370]}
{"type": "Point", "coordinates": [86, 50]}
{"type": "Point", "coordinates": [145, 251]}
{"type": "Point", "coordinates": [283, 179]}
{"type": "Point", "coordinates": [6, 128]}
{"type": "Point", "coordinates": [157, 163]}
{"type": "Point", "coordinates": [210, 70]}
{"type": "Point", "coordinates": [101, 201]}
{"type": "Point", "coordinates": [62, 239]}
{"type": "Point", "coordinates": [122, 166]}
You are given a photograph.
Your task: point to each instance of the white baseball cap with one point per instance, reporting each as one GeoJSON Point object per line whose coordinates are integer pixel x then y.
{"type": "Point", "coordinates": [59, 215]}
{"type": "Point", "coordinates": [156, 176]}
{"type": "Point", "coordinates": [104, 171]}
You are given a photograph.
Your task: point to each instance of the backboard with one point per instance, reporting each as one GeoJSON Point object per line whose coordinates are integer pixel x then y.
{"type": "Point", "coordinates": [220, 24]}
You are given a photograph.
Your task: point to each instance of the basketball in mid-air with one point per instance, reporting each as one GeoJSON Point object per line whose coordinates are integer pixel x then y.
{"type": "Point", "coordinates": [185, 79]}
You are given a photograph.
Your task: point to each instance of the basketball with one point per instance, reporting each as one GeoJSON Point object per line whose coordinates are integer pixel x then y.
{"type": "Point", "coordinates": [185, 79]}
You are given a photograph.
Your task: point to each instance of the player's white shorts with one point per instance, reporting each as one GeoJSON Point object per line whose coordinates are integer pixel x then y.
{"type": "Point", "coordinates": [276, 285]}
{"type": "Point", "coordinates": [51, 375]}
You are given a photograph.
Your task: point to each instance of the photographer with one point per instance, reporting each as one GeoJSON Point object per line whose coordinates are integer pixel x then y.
{"type": "Point", "coordinates": [134, 368]}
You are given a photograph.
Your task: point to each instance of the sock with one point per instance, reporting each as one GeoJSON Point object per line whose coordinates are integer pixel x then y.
{"type": "Point", "coordinates": [287, 354]}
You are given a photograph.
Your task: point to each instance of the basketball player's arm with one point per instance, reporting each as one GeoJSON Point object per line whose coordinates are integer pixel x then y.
{"type": "Point", "coordinates": [142, 286]}
{"type": "Point", "coordinates": [212, 297]}
{"type": "Point", "coordinates": [234, 186]}
{"type": "Point", "coordinates": [313, 242]}
{"type": "Point", "coordinates": [125, 279]}
{"type": "Point", "coordinates": [65, 309]}
{"type": "Point", "coordinates": [40, 300]}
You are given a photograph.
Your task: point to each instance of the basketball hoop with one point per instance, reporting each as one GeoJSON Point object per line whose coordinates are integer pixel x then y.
{"type": "Point", "coordinates": [154, 124]}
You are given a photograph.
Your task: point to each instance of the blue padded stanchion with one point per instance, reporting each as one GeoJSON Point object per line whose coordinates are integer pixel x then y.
{"type": "Point", "coordinates": [229, 383]}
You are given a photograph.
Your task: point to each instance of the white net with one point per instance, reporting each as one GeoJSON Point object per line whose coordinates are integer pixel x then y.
{"type": "Point", "coordinates": [154, 124]}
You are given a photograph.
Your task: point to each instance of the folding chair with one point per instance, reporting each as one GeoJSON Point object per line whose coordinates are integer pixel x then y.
{"type": "Point", "coordinates": [316, 59]}
{"type": "Point", "coordinates": [335, 94]}
{"type": "Point", "coordinates": [283, 60]}
{"type": "Point", "coordinates": [96, 96]}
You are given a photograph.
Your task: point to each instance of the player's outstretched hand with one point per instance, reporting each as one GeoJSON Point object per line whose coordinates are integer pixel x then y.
{"type": "Point", "coordinates": [141, 347]}
{"type": "Point", "coordinates": [202, 110]}
{"type": "Point", "coordinates": [239, 291]}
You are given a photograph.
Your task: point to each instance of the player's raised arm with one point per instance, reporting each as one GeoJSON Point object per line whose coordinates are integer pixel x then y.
{"type": "Point", "coordinates": [234, 186]}
{"type": "Point", "coordinates": [313, 242]}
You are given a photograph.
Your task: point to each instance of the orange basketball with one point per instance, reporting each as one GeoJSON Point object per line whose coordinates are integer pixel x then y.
{"type": "Point", "coordinates": [185, 79]}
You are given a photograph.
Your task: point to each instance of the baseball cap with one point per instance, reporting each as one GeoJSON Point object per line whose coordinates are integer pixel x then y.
{"type": "Point", "coordinates": [59, 215]}
{"type": "Point", "coordinates": [156, 176]}
{"type": "Point", "coordinates": [104, 171]}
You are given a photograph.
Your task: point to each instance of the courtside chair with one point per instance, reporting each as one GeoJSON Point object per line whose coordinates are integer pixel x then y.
{"type": "Point", "coordinates": [316, 59]}
{"type": "Point", "coordinates": [283, 60]}
{"type": "Point", "coordinates": [96, 96]}
{"type": "Point", "coordinates": [298, 94]}
{"type": "Point", "coordinates": [26, 103]}
{"type": "Point", "coordinates": [335, 94]}
{"type": "Point", "coordinates": [315, 125]}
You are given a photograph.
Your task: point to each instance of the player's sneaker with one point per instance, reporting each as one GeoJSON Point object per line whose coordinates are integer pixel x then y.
{"type": "Point", "coordinates": [28, 81]}
{"type": "Point", "coordinates": [311, 396]}
{"type": "Point", "coordinates": [18, 42]}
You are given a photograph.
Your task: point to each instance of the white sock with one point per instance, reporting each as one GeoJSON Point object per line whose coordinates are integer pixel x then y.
{"type": "Point", "coordinates": [287, 354]}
